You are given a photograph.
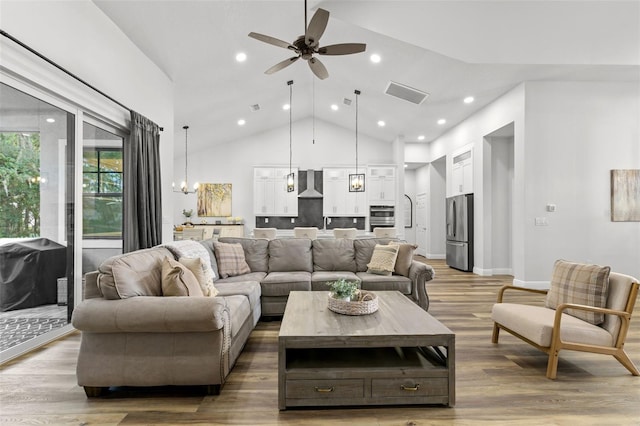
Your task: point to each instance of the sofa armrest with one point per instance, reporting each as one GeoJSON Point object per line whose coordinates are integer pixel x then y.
{"type": "Point", "coordinates": [151, 314]}
{"type": "Point", "coordinates": [420, 273]}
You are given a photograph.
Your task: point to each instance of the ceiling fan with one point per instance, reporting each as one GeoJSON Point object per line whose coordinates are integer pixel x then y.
{"type": "Point", "coordinates": [307, 45]}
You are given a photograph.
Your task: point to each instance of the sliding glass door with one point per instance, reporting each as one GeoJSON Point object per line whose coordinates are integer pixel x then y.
{"type": "Point", "coordinates": [37, 169]}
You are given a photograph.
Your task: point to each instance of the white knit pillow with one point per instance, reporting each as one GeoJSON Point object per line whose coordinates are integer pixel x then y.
{"type": "Point", "coordinates": [383, 259]}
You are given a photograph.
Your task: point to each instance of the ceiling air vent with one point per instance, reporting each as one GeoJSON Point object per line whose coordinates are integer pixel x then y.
{"type": "Point", "coordinates": [407, 93]}
{"type": "Point", "coordinates": [254, 107]}
{"type": "Point", "coordinates": [347, 101]}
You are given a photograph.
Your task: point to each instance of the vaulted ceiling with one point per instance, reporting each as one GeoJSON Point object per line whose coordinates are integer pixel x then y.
{"type": "Point", "coordinates": [449, 49]}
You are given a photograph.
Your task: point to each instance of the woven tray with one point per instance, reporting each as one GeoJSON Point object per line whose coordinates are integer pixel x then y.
{"type": "Point", "coordinates": [361, 307]}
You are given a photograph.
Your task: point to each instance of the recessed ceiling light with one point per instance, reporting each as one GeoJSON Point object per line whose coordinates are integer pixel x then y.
{"type": "Point", "coordinates": [241, 122]}
{"type": "Point", "coordinates": [51, 120]}
{"type": "Point", "coordinates": [421, 137]}
{"type": "Point", "coordinates": [375, 58]}
{"type": "Point", "coordinates": [334, 107]}
{"type": "Point", "coordinates": [468, 99]}
{"type": "Point", "coordinates": [381, 123]}
{"type": "Point", "coordinates": [442, 121]}
{"type": "Point", "coordinates": [241, 57]}
{"type": "Point", "coordinates": [286, 107]}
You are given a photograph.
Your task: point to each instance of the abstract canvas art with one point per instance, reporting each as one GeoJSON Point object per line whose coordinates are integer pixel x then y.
{"type": "Point", "coordinates": [214, 200]}
{"type": "Point", "coordinates": [625, 195]}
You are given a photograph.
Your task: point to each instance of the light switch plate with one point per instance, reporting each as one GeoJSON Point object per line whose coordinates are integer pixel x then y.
{"type": "Point", "coordinates": [541, 221]}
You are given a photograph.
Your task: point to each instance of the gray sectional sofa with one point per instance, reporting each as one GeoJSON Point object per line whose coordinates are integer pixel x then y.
{"type": "Point", "coordinates": [132, 336]}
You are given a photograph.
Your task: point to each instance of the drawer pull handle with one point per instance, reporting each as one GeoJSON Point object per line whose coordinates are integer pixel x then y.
{"type": "Point", "coordinates": [324, 389]}
{"type": "Point", "coordinates": [410, 388]}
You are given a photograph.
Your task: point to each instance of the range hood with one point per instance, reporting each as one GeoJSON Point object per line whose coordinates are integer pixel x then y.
{"type": "Point", "coordinates": [310, 192]}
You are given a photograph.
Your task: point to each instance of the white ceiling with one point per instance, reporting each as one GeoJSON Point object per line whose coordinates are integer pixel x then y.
{"type": "Point", "coordinates": [450, 49]}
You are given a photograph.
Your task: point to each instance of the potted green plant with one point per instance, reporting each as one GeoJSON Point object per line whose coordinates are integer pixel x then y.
{"type": "Point", "coordinates": [187, 214]}
{"type": "Point", "coordinates": [343, 289]}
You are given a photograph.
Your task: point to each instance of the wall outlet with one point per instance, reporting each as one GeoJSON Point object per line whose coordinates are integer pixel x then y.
{"type": "Point", "coordinates": [266, 220]}
{"type": "Point", "coordinates": [293, 220]}
{"type": "Point", "coordinates": [551, 207]}
{"type": "Point", "coordinates": [355, 220]}
{"type": "Point", "coordinates": [541, 221]}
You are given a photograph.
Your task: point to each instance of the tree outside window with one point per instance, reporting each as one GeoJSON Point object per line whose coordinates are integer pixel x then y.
{"type": "Point", "coordinates": [102, 193]}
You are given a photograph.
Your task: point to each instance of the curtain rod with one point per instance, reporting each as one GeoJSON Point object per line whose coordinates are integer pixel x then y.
{"type": "Point", "coordinates": [64, 70]}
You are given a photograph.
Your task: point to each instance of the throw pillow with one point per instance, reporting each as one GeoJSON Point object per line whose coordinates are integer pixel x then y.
{"type": "Point", "coordinates": [178, 280]}
{"type": "Point", "coordinates": [383, 260]}
{"type": "Point", "coordinates": [189, 248]}
{"type": "Point", "coordinates": [197, 266]}
{"type": "Point", "coordinates": [231, 261]}
{"type": "Point", "coordinates": [405, 257]}
{"type": "Point", "coordinates": [581, 284]}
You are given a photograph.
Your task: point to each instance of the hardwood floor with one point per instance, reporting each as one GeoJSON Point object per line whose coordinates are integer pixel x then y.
{"type": "Point", "coordinates": [500, 384]}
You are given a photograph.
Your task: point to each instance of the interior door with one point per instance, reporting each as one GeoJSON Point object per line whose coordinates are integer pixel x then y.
{"type": "Point", "coordinates": [421, 224]}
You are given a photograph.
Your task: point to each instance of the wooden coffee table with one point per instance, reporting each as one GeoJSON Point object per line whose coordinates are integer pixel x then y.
{"type": "Point", "coordinates": [397, 355]}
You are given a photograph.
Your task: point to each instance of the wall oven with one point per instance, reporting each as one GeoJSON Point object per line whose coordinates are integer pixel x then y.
{"type": "Point", "coordinates": [382, 217]}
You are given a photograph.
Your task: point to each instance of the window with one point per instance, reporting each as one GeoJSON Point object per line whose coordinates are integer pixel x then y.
{"type": "Point", "coordinates": [101, 184]}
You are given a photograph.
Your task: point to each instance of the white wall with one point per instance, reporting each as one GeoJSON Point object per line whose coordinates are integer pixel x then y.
{"type": "Point", "coordinates": [410, 190]}
{"type": "Point", "coordinates": [233, 162]}
{"type": "Point", "coordinates": [575, 134]}
{"type": "Point", "coordinates": [564, 147]}
{"type": "Point", "coordinates": [501, 169]}
{"type": "Point", "coordinates": [79, 37]}
{"type": "Point", "coordinates": [437, 223]}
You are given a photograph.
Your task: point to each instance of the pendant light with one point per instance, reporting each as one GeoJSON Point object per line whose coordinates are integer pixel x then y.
{"type": "Point", "coordinates": [291, 177]}
{"type": "Point", "coordinates": [184, 186]}
{"type": "Point", "coordinates": [356, 180]}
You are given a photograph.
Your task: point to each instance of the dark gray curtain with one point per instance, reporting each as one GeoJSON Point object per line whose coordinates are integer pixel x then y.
{"type": "Point", "coordinates": [142, 220]}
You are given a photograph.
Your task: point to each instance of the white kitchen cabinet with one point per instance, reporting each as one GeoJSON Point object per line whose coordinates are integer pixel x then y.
{"type": "Point", "coordinates": [381, 185]}
{"type": "Point", "coordinates": [337, 199]}
{"type": "Point", "coordinates": [270, 196]}
{"type": "Point", "coordinates": [462, 173]}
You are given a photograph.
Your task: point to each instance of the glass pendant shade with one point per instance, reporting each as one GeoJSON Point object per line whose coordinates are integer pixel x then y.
{"type": "Point", "coordinates": [356, 182]}
{"type": "Point", "coordinates": [291, 182]}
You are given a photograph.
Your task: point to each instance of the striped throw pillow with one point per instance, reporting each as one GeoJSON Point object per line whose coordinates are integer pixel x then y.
{"type": "Point", "coordinates": [231, 260]}
{"type": "Point", "coordinates": [581, 284]}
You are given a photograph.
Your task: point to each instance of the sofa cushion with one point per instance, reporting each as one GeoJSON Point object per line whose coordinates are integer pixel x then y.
{"type": "Point", "coordinates": [383, 259]}
{"type": "Point", "coordinates": [581, 284]}
{"type": "Point", "coordinates": [536, 324]}
{"type": "Point", "coordinates": [364, 249]}
{"type": "Point", "coordinates": [290, 254]}
{"type": "Point", "coordinates": [334, 255]}
{"type": "Point", "coordinates": [137, 273]}
{"type": "Point", "coordinates": [375, 282]}
{"type": "Point", "coordinates": [202, 271]}
{"type": "Point", "coordinates": [256, 252]}
{"type": "Point", "coordinates": [281, 283]}
{"type": "Point", "coordinates": [320, 279]}
{"type": "Point", "coordinates": [178, 280]}
{"type": "Point", "coordinates": [231, 261]}
{"type": "Point", "coordinates": [251, 276]}
{"type": "Point", "coordinates": [249, 289]}
{"type": "Point", "coordinates": [405, 257]}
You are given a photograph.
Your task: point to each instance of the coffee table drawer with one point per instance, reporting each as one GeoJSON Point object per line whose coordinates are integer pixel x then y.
{"type": "Point", "coordinates": [409, 387]}
{"type": "Point", "coordinates": [338, 388]}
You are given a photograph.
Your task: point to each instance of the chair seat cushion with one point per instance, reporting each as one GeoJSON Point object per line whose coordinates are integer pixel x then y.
{"type": "Point", "coordinates": [536, 324]}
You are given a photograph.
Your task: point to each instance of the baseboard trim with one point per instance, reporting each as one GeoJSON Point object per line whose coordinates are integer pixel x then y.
{"type": "Point", "coordinates": [436, 256]}
{"type": "Point", "coordinates": [482, 272]}
{"type": "Point", "coordinates": [502, 271]}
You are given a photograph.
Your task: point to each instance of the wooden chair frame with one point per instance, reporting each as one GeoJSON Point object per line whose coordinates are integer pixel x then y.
{"type": "Point", "coordinates": [557, 344]}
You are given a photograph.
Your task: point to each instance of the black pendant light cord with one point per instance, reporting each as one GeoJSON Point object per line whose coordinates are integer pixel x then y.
{"type": "Point", "coordinates": [64, 70]}
{"type": "Point", "coordinates": [290, 83]}
{"type": "Point", "coordinates": [357, 92]}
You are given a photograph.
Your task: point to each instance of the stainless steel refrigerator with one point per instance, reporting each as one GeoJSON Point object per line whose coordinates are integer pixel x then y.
{"type": "Point", "coordinates": [460, 232]}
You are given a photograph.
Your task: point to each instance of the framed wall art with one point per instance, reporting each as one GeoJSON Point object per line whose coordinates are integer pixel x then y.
{"type": "Point", "coordinates": [214, 200]}
{"type": "Point", "coordinates": [625, 195]}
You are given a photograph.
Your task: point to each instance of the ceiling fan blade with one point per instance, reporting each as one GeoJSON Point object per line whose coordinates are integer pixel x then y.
{"type": "Point", "coordinates": [316, 27]}
{"type": "Point", "coordinates": [318, 68]}
{"type": "Point", "coordinates": [272, 40]}
{"type": "Point", "coordinates": [283, 64]}
{"type": "Point", "coordinates": [342, 49]}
